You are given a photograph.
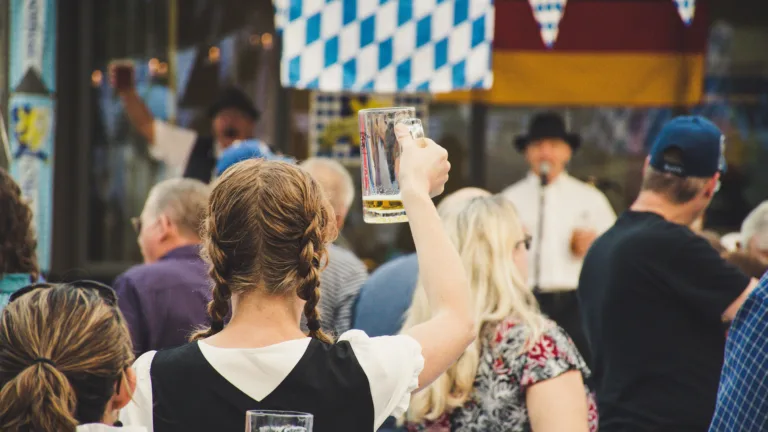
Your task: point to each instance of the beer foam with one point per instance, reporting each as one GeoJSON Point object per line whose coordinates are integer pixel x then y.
{"type": "Point", "coordinates": [383, 198]}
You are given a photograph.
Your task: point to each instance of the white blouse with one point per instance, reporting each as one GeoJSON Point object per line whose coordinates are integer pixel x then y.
{"type": "Point", "coordinates": [392, 365]}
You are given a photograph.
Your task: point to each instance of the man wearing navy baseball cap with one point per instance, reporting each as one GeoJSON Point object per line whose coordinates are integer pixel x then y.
{"type": "Point", "coordinates": [654, 295]}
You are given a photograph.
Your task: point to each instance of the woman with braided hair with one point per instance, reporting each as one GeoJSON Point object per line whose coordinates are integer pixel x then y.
{"type": "Point", "coordinates": [265, 239]}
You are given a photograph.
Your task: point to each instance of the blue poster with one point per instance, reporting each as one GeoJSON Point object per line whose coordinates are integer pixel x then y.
{"type": "Point", "coordinates": [32, 111]}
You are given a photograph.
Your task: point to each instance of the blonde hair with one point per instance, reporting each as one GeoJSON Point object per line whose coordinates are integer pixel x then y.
{"type": "Point", "coordinates": [63, 350]}
{"type": "Point", "coordinates": [486, 231]}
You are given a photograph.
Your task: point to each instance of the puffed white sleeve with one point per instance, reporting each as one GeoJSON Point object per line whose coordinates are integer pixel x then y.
{"type": "Point", "coordinates": [392, 365]}
{"type": "Point", "coordinates": [138, 412]}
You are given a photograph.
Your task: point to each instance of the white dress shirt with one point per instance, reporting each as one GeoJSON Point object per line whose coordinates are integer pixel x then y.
{"type": "Point", "coordinates": [568, 204]}
{"type": "Point", "coordinates": [173, 145]}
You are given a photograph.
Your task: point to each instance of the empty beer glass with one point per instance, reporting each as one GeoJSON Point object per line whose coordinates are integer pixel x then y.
{"type": "Point", "coordinates": [380, 153]}
{"type": "Point", "coordinates": [278, 421]}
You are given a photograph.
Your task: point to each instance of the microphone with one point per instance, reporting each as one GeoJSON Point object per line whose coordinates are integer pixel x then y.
{"type": "Point", "coordinates": [544, 168]}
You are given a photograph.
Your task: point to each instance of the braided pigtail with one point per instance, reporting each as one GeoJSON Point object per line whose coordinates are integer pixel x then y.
{"type": "Point", "coordinates": [310, 255]}
{"type": "Point", "coordinates": [218, 307]}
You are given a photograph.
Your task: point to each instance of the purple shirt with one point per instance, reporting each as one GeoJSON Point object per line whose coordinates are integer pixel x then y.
{"type": "Point", "coordinates": [165, 301]}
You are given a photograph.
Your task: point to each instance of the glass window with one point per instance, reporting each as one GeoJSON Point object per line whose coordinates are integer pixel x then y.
{"type": "Point", "coordinates": [217, 43]}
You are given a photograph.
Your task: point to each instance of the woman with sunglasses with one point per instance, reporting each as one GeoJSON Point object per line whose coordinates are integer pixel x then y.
{"type": "Point", "coordinates": [265, 238]}
{"type": "Point", "coordinates": [522, 372]}
{"type": "Point", "coordinates": [18, 261]}
{"type": "Point", "coordinates": [65, 356]}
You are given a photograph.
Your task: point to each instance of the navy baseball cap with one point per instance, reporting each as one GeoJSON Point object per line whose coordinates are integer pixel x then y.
{"type": "Point", "coordinates": [243, 150]}
{"type": "Point", "coordinates": [700, 145]}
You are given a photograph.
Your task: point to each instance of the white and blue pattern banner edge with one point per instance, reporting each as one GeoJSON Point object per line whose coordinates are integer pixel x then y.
{"type": "Point", "coordinates": [386, 46]}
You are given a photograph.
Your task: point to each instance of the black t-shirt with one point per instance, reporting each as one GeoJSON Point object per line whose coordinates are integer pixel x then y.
{"type": "Point", "coordinates": [652, 294]}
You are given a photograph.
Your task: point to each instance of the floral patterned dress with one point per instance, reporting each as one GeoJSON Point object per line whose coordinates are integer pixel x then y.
{"type": "Point", "coordinates": [503, 376]}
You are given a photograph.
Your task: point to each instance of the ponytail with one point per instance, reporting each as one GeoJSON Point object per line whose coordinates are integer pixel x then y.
{"type": "Point", "coordinates": [39, 398]}
{"type": "Point", "coordinates": [62, 350]}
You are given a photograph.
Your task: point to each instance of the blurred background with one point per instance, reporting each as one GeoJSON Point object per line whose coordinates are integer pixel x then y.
{"type": "Point", "coordinates": [186, 51]}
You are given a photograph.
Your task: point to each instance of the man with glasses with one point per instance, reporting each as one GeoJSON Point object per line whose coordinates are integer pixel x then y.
{"type": "Point", "coordinates": [165, 298]}
{"type": "Point", "coordinates": [654, 295]}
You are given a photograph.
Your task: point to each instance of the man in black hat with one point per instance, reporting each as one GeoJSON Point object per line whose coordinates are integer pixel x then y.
{"type": "Point", "coordinates": [233, 117]}
{"type": "Point", "coordinates": [563, 214]}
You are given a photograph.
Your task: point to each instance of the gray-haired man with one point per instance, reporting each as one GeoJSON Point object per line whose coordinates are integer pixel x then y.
{"type": "Point", "coordinates": [165, 298]}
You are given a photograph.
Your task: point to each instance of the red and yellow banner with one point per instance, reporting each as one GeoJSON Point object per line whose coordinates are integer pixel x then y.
{"type": "Point", "coordinates": [607, 53]}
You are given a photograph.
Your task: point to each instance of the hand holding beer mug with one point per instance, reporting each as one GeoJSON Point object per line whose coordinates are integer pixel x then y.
{"type": "Point", "coordinates": [122, 75]}
{"type": "Point", "coordinates": [396, 155]}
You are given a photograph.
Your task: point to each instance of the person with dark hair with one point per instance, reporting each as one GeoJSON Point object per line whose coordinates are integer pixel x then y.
{"type": "Point", "coordinates": [18, 259]}
{"type": "Point", "coordinates": [233, 117]}
{"type": "Point", "coordinates": [265, 239]}
{"type": "Point", "coordinates": [65, 360]}
{"type": "Point", "coordinates": [654, 294]}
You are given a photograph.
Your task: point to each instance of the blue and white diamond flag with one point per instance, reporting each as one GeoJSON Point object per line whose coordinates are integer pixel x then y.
{"type": "Point", "coordinates": [686, 9]}
{"type": "Point", "coordinates": [548, 14]}
{"type": "Point", "coordinates": [386, 46]}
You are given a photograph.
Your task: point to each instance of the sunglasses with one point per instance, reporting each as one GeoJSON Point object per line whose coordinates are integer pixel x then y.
{"type": "Point", "coordinates": [104, 291]}
{"type": "Point", "coordinates": [527, 242]}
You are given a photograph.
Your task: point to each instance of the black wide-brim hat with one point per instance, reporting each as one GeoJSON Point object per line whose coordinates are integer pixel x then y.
{"type": "Point", "coordinates": [233, 97]}
{"type": "Point", "coordinates": [547, 125]}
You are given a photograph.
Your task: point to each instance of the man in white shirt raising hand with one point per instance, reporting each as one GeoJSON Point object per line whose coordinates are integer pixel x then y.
{"type": "Point", "coordinates": [183, 151]}
{"type": "Point", "coordinates": [574, 214]}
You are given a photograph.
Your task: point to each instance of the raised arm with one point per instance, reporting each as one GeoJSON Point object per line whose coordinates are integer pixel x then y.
{"type": "Point", "coordinates": [138, 113]}
{"type": "Point", "coordinates": [423, 171]}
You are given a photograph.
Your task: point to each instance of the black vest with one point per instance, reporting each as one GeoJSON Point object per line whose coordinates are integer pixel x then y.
{"type": "Point", "coordinates": [189, 395]}
{"type": "Point", "coordinates": [202, 160]}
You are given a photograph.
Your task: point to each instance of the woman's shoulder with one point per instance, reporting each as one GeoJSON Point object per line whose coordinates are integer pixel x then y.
{"type": "Point", "coordinates": [381, 349]}
{"type": "Point", "coordinates": [513, 338]}
{"type": "Point", "coordinates": [392, 365]}
{"type": "Point", "coordinates": [513, 331]}
{"type": "Point", "coordinates": [549, 354]}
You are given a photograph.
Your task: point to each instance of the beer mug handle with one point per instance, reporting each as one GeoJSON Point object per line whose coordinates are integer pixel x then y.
{"type": "Point", "coordinates": [414, 126]}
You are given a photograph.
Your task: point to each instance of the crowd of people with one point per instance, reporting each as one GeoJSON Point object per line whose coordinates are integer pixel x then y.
{"type": "Point", "coordinates": [533, 309]}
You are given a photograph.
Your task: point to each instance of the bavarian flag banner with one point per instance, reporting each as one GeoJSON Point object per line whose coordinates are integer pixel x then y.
{"type": "Point", "coordinates": [634, 53]}
{"type": "Point", "coordinates": [386, 46]}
